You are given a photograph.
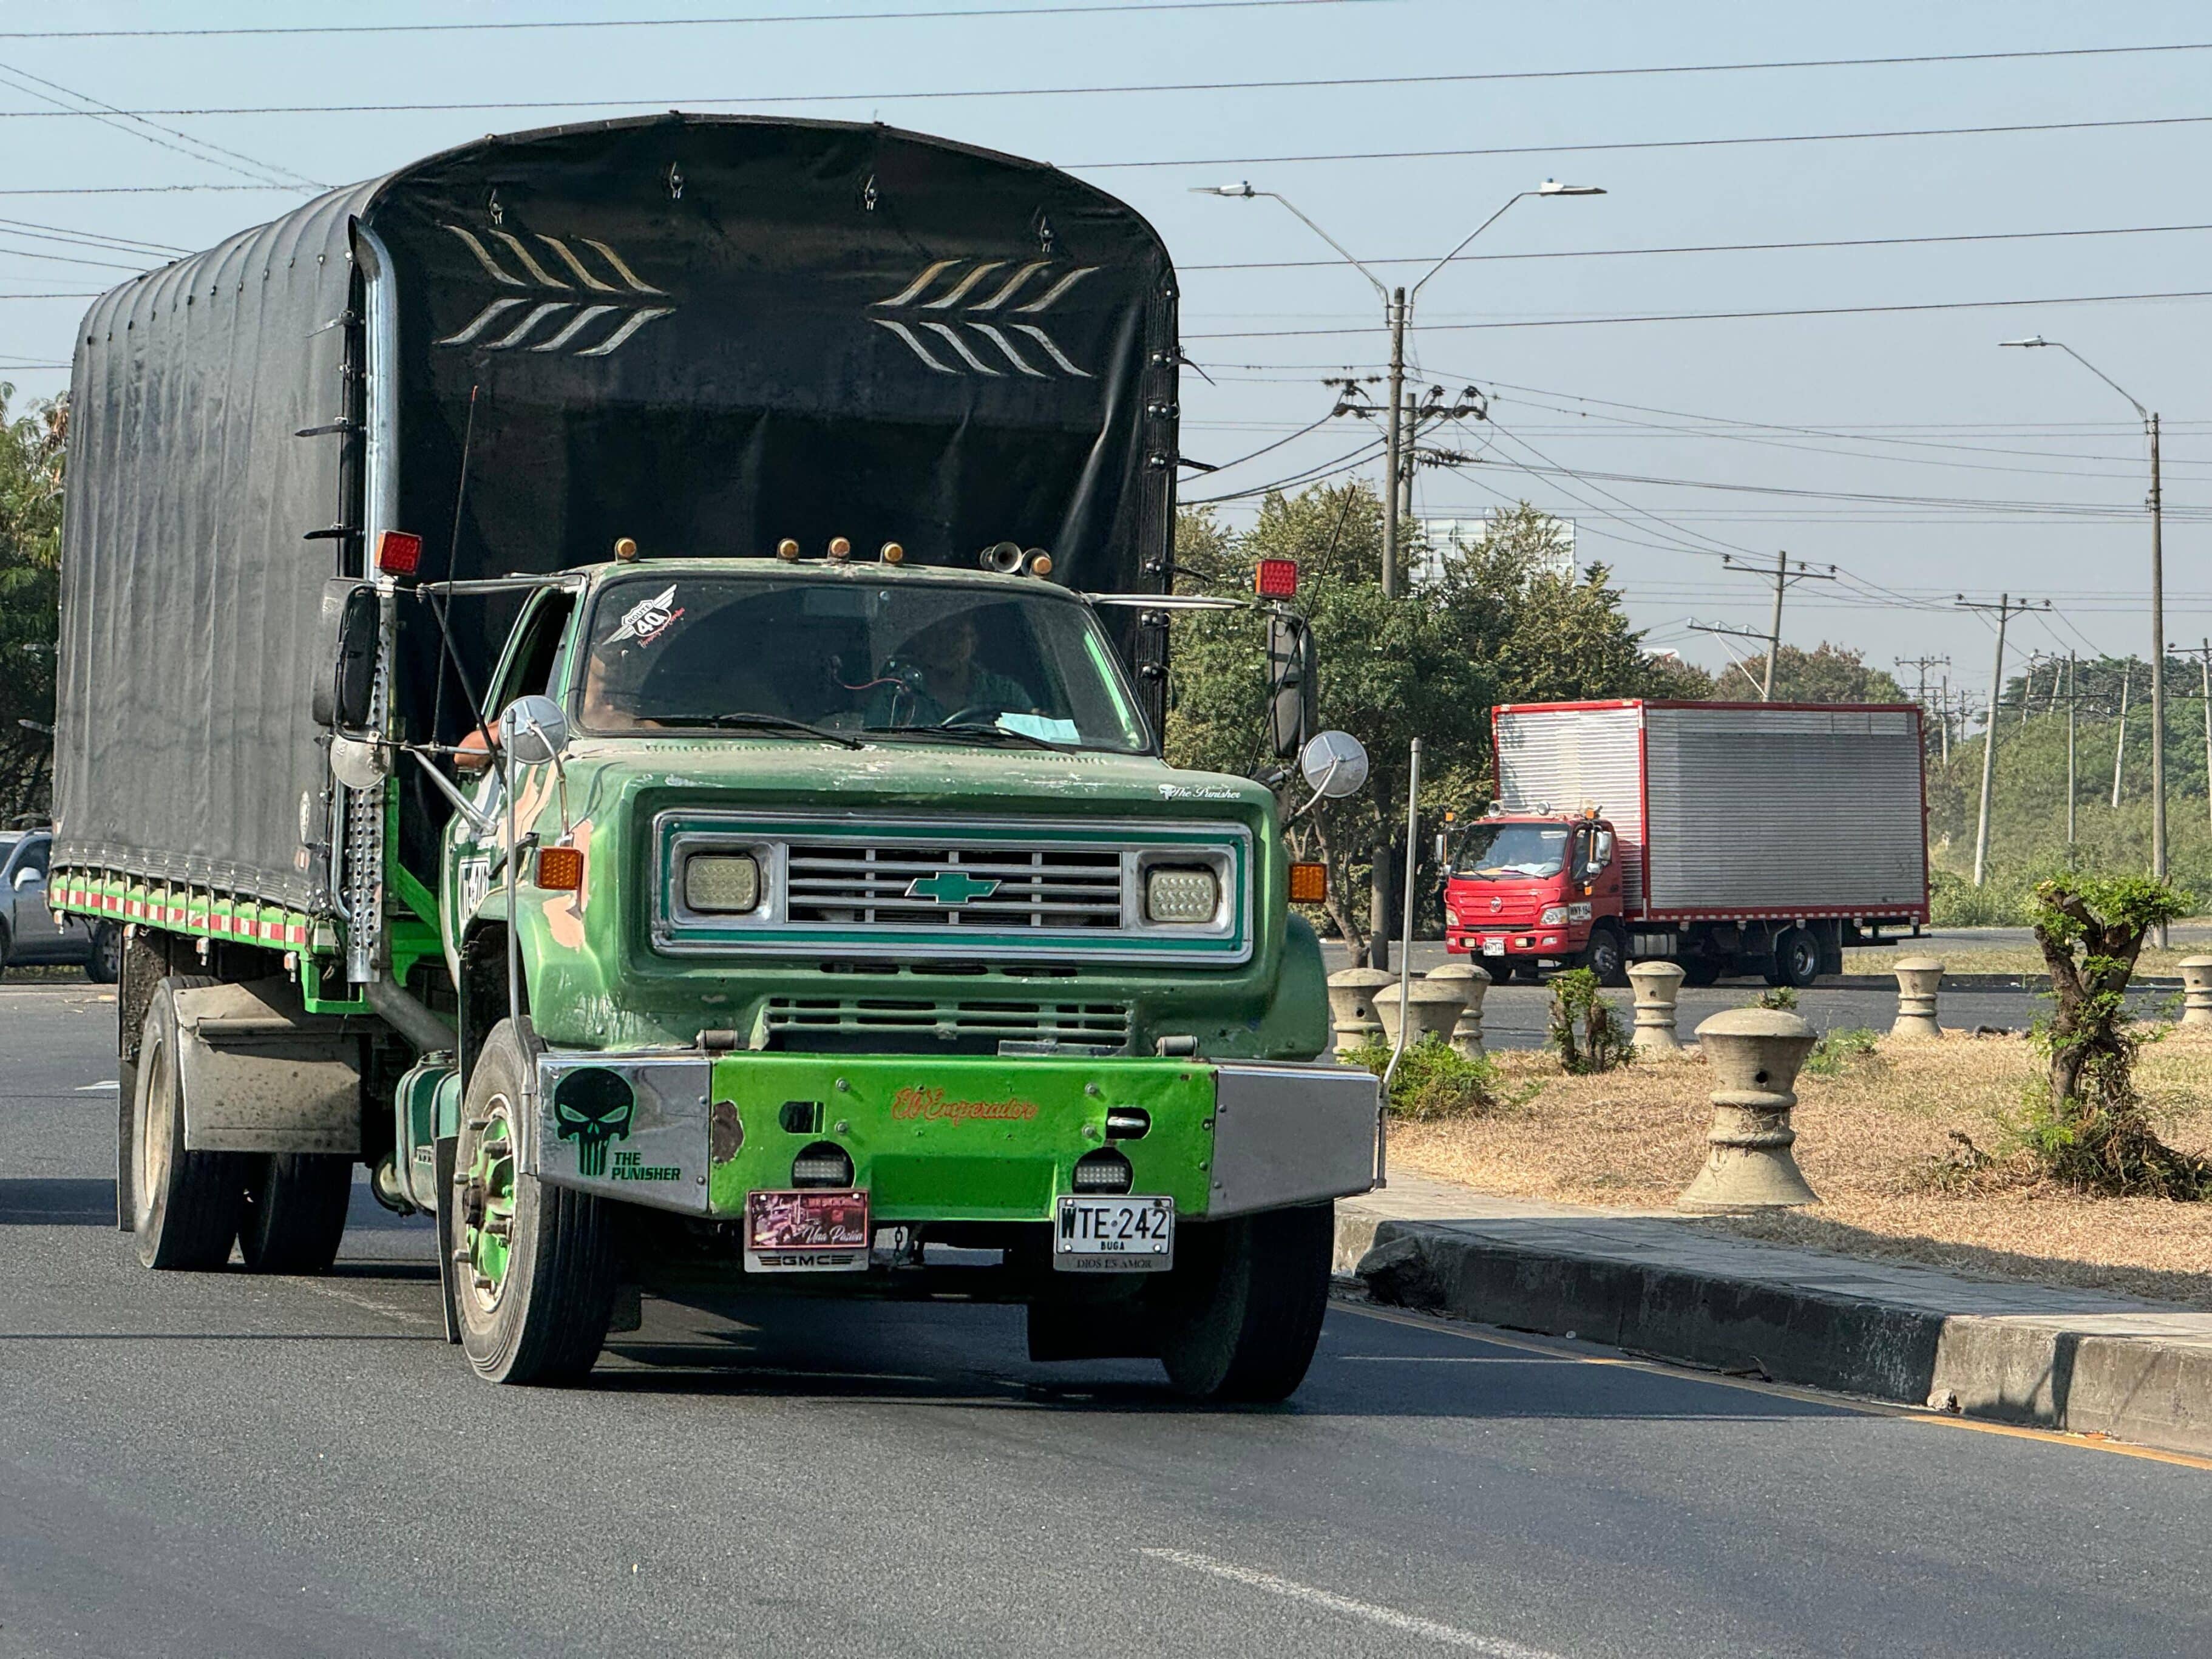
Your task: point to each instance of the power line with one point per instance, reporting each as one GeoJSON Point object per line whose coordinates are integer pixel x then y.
{"type": "Point", "coordinates": [46, 233]}
{"type": "Point", "coordinates": [1704, 247]}
{"type": "Point", "coordinates": [935, 13]}
{"type": "Point", "coordinates": [1593, 148]}
{"type": "Point", "coordinates": [138, 127]}
{"type": "Point", "coordinates": [1724, 316]}
{"type": "Point", "coordinates": [67, 258]}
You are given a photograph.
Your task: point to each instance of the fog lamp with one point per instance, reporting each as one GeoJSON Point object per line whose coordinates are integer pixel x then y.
{"type": "Point", "coordinates": [1180, 893]}
{"type": "Point", "coordinates": [722, 883]}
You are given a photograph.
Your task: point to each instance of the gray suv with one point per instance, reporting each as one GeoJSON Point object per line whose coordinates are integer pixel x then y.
{"type": "Point", "coordinates": [30, 932]}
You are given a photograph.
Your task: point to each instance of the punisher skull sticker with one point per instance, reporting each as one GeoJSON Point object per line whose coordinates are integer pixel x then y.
{"type": "Point", "coordinates": [592, 1107]}
{"type": "Point", "coordinates": [648, 619]}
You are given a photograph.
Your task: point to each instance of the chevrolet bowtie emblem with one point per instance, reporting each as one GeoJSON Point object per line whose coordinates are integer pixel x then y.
{"type": "Point", "coordinates": [951, 888]}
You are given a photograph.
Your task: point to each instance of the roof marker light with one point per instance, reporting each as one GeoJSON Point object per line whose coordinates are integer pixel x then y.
{"type": "Point", "coordinates": [841, 547]}
{"type": "Point", "coordinates": [625, 548]}
{"type": "Point", "coordinates": [787, 549]}
{"type": "Point", "coordinates": [891, 553]}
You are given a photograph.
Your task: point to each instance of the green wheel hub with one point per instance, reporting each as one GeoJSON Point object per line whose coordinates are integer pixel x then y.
{"type": "Point", "coordinates": [488, 1207]}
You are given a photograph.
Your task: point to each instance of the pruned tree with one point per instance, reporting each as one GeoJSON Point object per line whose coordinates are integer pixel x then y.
{"type": "Point", "coordinates": [2090, 1129]}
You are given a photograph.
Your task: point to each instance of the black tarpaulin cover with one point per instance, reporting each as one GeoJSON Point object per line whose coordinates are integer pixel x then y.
{"type": "Point", "coordinates": [704, 333]}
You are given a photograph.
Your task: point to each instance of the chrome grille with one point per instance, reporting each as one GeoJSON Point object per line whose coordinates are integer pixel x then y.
{"type": "Point", "coordinates": [998, 888]}
{"type": "Point", "coordinates": [1095, 1024]}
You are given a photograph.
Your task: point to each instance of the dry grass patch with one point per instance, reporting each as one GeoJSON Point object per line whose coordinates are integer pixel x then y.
{"type": "Point", "coordinates": [2023, 958]}
{"type": "Point", "coordinates": [1879, 1141]}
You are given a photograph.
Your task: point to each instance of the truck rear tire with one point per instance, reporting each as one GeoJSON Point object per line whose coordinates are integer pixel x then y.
{"type": "Point", "coordinates": [104, 966]}
{"type": "Point", "coordinates": [295, 1212]}
{"type": "Point", "coordinates": [1796, 959]}
{"type": "Point", "coordinates": [1249, 1316]}
{"type": "Point", "coordinates": [533, 1274]}
{"type": "Point", "coordinates": [185, 1205]}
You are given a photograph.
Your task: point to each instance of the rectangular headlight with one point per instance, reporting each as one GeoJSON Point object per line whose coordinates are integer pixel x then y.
{"type": "Point", "coordinates": [1554, 915]}
{"type": "Point", "coordinates": [722, 883]}
{"type": "Point", "coordinates": [1181, 893]}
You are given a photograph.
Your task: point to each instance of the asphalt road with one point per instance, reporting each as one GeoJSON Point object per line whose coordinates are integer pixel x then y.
{"type": "Point", "coordinates": [220, 1464]}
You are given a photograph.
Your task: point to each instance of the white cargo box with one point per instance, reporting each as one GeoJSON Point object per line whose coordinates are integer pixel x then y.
{"type": "Point", "coordinates": [1751, 810]}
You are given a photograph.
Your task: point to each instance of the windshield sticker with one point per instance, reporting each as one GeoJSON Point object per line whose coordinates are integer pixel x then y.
{"type": "Point", "coordinates": [648, 619]}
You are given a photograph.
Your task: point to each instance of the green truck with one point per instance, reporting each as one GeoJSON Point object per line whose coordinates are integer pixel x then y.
{"type": "Point", "coordinates": [614, 677]}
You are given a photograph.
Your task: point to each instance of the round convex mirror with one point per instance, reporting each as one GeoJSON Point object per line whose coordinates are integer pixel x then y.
{"type": "Point", "coordinates": [1334, 764]}
{"type": "Point", "coordinates": [533, 730]}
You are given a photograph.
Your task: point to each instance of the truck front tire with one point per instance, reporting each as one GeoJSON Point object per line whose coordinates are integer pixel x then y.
{"type": "Point", "coordinates": [294, 1212]}
{"type": "Point", "coordinates": [1604, 957]}
{"type": "Point", "coordinates": [533, 1273]}
{"type": "Point", "coordinates": [1248, 1315]}
{"type": "Point", "coordinates": [184, 1206]}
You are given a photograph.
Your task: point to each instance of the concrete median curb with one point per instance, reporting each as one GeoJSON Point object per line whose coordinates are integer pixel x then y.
{"type": "Point", "coordinates": [1684, 1290]}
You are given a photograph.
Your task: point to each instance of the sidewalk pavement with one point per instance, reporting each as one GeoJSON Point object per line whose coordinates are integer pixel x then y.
{"type": "Point", "coordinates": [1684, 1288]}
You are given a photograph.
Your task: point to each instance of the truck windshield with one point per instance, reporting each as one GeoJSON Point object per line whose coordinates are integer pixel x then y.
{"type": "Point", "coordinates": [918, 657]}
{"type": "Point", "coordinates": [1493, 852]}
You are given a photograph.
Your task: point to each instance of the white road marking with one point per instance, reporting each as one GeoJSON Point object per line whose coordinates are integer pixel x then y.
{"type": "Point", "coordinates": [1389, 1618]}
{"type": "Point", "coordinates": [1454, 1359]}
{"type": "Point", "coordinates": [93, 1088]}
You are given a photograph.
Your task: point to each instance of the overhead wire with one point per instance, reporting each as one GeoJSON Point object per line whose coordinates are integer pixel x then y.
{"type": "Point", "coordinates": [933, 13]}
{"type": "Point", "coordinates": [137, 125]}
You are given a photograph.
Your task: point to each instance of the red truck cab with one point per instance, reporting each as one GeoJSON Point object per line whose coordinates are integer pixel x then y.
{"type": "Point", "coordinates": [1523, 888]}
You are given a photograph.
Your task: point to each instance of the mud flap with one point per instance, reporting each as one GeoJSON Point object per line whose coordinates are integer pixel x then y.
{"type": "Point", "coordinates": [446, 1152]}
{"type": "Point", "coordinates": [126, 1148]}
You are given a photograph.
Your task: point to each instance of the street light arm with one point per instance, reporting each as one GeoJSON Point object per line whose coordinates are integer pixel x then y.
{"type": "Point", "coordinates": [1350, 258]}
{"type": "Point", "coordinates": [2142, 414]}
{"type": "Point", "coordinates": [1414, 292]}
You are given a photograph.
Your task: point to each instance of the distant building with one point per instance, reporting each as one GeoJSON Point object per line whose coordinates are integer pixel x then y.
{"type": "Point", "coordinates": [1463, 534]}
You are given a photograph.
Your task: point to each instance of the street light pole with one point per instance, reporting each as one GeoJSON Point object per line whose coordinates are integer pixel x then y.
{"type": "Point", "coordinates": [1397, 311]}
{"type": "Point", "coordinates": [2150, 418]}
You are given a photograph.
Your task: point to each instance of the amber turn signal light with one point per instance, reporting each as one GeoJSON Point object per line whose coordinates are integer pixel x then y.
{"type": "Point", "coordinates": [1309, 884]}
{"type": "Point", "coordinates": [561, 869]}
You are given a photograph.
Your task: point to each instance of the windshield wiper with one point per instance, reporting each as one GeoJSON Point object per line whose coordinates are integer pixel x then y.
{"type": "Point", "coordinates": [971, 729]}
{"type": "Point", "coordinates": [762, 723]}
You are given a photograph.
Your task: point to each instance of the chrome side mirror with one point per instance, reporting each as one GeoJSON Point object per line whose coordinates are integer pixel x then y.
{"type": "Point", "coordinates": [1334, 765]}
{"type": "Point", "coordinates": [534, 730]}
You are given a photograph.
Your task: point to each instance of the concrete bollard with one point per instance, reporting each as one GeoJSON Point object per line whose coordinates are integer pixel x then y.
{"type": "Point", "coordinates": [1655, 984]}
{"type": "Point", "coordinates": [1433, 1006]}
{"type": "Point", "coordinates": [1473, 980]}
{"type": "Point", "coordinates": [1918, 980]}
{"type": "Point", "coordinates": [2196, 990]}
{"type": "Point", "coordinates": [1754, 1053]}
{"type": "Point", "coordinates": [1352, 993]}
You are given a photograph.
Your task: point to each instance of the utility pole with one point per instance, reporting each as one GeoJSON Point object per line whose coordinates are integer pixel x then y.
{"type": "Point", "coordinates": [1944, 724]}
{"type": "Point", "coordinates": [2120, 745]}
{"type": "Point", "coordinates": [2203, 654]}
{"type": "Point", "coordinates": [1783, 578]}
{"type": "Point", "coordinates": [1393, 443]}
{"type": "Point", "coordinates": [2006, 611]}
{"type": "Point", "coordinates": [1724, 635]}
{"type": "Point", "coordinates": [1920, 696]}
{"type": "Point", "coordinates": [2071, 702]}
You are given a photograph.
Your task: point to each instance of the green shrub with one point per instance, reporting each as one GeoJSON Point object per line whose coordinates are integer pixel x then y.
{"type": "Point", "coordinates": [1833, 1054]}
{"type": "Point", "coordinates": [1781, 996]}
{"type": "Point", "coordinates": [1434, 1080]}
{"type": "Point", "coordinates": [1586, 1033]}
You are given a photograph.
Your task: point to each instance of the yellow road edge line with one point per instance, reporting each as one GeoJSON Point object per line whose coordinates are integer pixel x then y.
{"type": "Point", "coordinates": [1559, 1348]}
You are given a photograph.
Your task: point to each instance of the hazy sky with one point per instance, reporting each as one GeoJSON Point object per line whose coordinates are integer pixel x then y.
{"type": "Point", "coordinates": [2021, 471]}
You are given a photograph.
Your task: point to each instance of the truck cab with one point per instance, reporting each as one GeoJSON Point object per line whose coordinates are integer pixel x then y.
{"type": "Point", "coordinates": [1525, 889]}
{"type": "Point", "coordinates": [824, 917]}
